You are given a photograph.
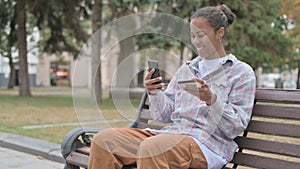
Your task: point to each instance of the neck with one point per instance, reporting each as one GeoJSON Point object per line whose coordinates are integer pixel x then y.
{"type": "Point", "coordinates": [217, 54]}
{"type": "Point", "coordinates": [221, 52]}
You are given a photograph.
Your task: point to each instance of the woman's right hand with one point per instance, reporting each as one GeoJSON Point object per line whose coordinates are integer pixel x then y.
{"type": "Point", "coordinates": [149, 83]}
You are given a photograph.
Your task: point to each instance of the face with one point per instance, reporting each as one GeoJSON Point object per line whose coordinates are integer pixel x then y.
{"type": "Point", "coordinates": [205, 38]}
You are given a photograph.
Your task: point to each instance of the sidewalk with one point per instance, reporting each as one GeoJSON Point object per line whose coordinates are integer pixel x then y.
{"type": "Point", "coordinates": [19, 152]}
{"type": "Point", "coordinates": [11, 159]}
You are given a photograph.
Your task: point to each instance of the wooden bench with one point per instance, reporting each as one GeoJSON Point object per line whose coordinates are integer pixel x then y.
{"type": "Point", "coordinates": [271, 140]}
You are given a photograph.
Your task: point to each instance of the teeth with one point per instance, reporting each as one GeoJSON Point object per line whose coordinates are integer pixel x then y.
{"type": "Point", "coordinates": [200, 48]}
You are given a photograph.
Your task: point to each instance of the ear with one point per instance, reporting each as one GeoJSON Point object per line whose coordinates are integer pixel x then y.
{"type": "Point", "coordinates": [220, 33]}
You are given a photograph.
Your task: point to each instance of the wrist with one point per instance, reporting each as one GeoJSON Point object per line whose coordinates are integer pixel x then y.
{"type": "Point", "coordinates": [153, 92]}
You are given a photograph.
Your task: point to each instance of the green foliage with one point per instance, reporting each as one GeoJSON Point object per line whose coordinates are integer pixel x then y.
{"type": "Point", "coordinates": [61, 23]}
{"type": "Point", "coordinates": [290, 12]}
{"type": "Point", "coordinates": [180, 8]}
{"type": "Point", "coordinates": [7, 27]}
{"type": "Point", "coordinates": [256, 37]}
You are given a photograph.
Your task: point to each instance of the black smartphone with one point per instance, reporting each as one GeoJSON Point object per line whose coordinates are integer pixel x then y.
{"type": "Point", "coordinates": [153, 64]}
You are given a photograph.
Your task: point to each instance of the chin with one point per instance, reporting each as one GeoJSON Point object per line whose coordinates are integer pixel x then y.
{"type": "Point", "coordinates": [206, 55]}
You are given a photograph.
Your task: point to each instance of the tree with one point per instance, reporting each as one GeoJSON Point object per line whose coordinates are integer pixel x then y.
{"type": "Point", "coordinates": [62, 24]}
{"type": "Point", "coordinates": [247, 40]}
{"type": "Point", "coordinates": [55, 19]}
{"type": "Point", "coordinates": [96, 46]}
{"type": "Point", "coordinates": [290, 13]}
{"type": "Point", "coordinates": [8, 35]}
{"type": "Point", "coordinates": [24, 89]}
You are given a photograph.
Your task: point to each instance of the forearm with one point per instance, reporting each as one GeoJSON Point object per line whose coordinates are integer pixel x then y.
{"type": "Point", "coordinates": [232, 115]}
{"type": "Point", "coordinates": [161, 107]}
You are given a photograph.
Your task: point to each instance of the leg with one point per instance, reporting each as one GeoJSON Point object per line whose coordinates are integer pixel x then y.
{"type": "Point", "coordinates": [113, 148]}
{"type": "Point", "coordinates": [170, 151]}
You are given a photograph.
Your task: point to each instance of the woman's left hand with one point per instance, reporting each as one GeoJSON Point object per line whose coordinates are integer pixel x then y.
{"type": "Point", "coordinates": [201, 90]}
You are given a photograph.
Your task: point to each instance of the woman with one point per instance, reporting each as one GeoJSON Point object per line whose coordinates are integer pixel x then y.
{"type": "Point", "coordinates": [205, 115]}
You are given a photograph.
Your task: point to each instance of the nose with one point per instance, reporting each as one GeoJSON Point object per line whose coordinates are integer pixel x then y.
{"type": "Point", "coordinates": [196, 42]}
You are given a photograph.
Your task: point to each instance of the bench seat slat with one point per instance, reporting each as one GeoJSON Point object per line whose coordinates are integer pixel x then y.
{"type": "Point", "coordinates": [284, 112]}
{"type": "Point", "coordinates": [269, 146]}
{"type": "Point", "coordinates": [282, 96]}
{"type": "Point", "coordinates": [274, 128]}
{"type": "Point", "coordinates": [84, 150]}
{"type": "Point", "coordinates": [78, 159]}
{"type": "Point", "coordinates": [256, 161]}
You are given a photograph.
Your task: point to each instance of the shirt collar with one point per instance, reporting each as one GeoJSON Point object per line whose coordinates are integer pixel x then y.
{"type": "Point", "coordinates": [194, 64]}
{"type": "Point", "coordinates": [228, 57]}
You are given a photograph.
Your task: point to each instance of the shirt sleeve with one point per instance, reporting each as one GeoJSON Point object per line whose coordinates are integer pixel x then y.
{"type": "Point", "coordinates": [233, 116]}
{"type": "Point", "coordinates": [162, 103]}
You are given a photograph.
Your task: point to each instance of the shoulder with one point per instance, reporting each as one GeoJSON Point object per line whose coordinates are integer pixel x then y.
{"type": "Point", "coordinates": [242, 67]}
{"type": "Point", "coordinates": [242, 73]}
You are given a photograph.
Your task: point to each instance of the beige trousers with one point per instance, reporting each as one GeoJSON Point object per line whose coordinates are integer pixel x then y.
{"type": "Point", "coordinates": [114, 148]}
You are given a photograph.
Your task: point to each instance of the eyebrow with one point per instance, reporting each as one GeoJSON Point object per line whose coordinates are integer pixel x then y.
{"type": "Point", "coordinates": [198, 32]}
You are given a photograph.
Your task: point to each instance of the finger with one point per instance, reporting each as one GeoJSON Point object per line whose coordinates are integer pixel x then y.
{"type": "Point", "coordinates": [151, 81]}
{"type": "Point", "coordinates": [200, 81]}
{"type": "Point", "coordinates": [155, 86]}
{"type": "Point", "coordinates": [148, 76]}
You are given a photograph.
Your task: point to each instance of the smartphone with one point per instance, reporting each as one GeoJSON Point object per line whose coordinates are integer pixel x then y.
{"type": "Point", "coordinates": [153, 64]}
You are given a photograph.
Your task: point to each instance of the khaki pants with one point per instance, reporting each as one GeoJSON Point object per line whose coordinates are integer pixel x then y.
{"type": "Point", "coordinates": [113, 148]}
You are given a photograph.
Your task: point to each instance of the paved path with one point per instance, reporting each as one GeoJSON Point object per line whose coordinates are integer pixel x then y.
{"type": "Point", "coordinates": [11, 159]}
{"type": "Point", "coordinates": [20, 152]}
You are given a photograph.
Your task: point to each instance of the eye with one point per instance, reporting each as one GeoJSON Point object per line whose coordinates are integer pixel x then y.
{"type": "Point", "coordinates": [200, 36]}
{"type": "Point", "coordinates": [197, 35]}
{"type": "Point", "coordinates": [192, 36]}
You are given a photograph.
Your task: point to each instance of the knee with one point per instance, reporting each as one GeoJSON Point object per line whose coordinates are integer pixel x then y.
{"type": "Point", "coordinates": [98, 143]}
{"type": "Point", "coordinates": [105, 139]}
{"type": "Point", "coordinates": [149, 148]}
{"type": "Point", "coordinates": [103, 135]}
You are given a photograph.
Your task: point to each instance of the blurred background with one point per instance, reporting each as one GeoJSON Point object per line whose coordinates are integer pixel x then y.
{"type": "Point", "coordinates": [42, 39]}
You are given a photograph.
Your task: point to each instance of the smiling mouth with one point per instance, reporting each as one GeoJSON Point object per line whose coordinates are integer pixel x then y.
{"type": "Point", "coordinates": [199, 48]}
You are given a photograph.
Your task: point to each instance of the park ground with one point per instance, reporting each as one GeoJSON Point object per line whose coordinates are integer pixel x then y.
{"type": "Point", "coordinates": [49, 114]}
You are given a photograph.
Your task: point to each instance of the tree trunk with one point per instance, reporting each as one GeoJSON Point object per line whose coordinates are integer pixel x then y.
{"type": "Point", "coordinates": [11, 82]}
{"type": "Point", "coordinates": [258, 73]}
{"type": "Point", "coordinates": [298, 79]}
{"type": "Point", "coordinates": [125, 70]}
{"type": "Point", "coordinates": [24, 89]}
{"type": "Point", "coordinates": [96, 53]}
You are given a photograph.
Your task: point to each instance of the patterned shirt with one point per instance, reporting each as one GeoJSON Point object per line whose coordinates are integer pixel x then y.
{"type": "Point", "coordinates": [214, 126]}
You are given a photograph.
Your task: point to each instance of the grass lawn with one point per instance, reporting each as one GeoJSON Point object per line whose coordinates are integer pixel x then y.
{"type": "Point", "coordinates": [53, 109]}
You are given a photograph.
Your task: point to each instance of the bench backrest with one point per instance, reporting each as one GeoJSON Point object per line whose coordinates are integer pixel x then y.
{"type": "Point", "coordinates": [272, 139]}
